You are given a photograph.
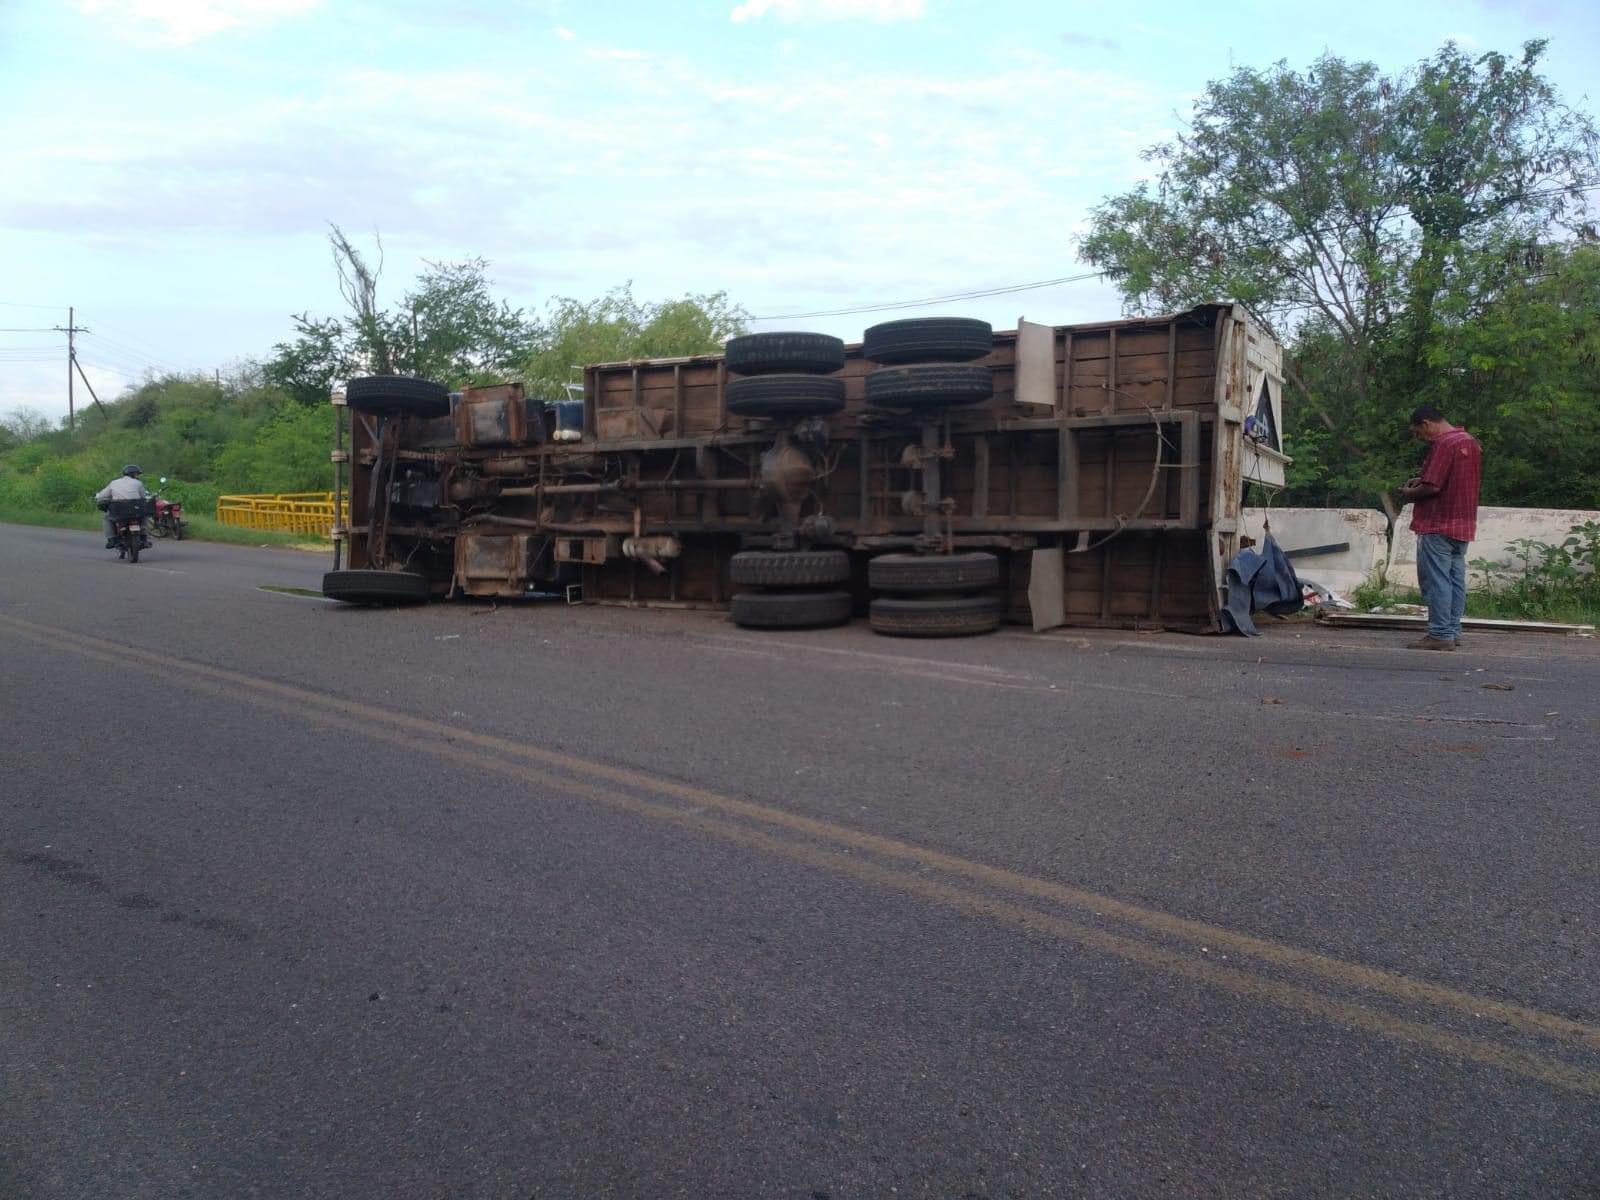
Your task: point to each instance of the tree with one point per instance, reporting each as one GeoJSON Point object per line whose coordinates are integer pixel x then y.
{"type": "Point", "coordinates": [462, 334]}
{"type": "Point", "coordinates": [370, 329]}
{"type": "Point", "coordinates": [1341, 204]}
{"type": "Point", "coordinates": [1519, 362]}
{"type": "Point", "coordinates": [308, 367]}
{"type": "Point", "coordinates": [617, 327]}
{"type": "Point", "coordinates": [448, 328]}
{"type": "Point", "coordinates": [22, 425]}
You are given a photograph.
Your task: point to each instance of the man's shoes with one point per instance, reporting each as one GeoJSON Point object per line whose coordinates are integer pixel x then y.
{"type": "Point", "coordinates": [111, 543]}
{"type": "Point", "coordinates": [1432, 643]}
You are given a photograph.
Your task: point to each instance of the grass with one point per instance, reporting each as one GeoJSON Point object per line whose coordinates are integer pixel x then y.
{"type": "Point", "coordinates": [199, 528]}
{"type": "Point", "coordinates": [1499, 605]}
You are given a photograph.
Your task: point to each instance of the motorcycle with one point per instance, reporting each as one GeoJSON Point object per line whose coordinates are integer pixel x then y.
{"type": "Point", "coordinates": [128, 519]}
{"type": "Point", "coordinates": [168, 520]}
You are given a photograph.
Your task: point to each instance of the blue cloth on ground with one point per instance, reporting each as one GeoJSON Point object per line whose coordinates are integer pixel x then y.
{"type": "Point", "coordinates": [1260, 580]}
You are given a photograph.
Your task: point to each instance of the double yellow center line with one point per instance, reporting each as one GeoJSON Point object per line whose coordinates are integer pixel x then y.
{"type": "Point", "coordinates": [1525, 1041]}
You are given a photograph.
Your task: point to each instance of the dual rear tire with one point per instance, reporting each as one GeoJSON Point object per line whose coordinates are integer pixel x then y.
{"type": "Point", "coordinates": [946, 595]}
{"type": "Point", "coordinates": [927, 363]}
{"type": "Point", "coordinates": [785, 375]}
{"type": "Point", "coordinates": [795, 589]}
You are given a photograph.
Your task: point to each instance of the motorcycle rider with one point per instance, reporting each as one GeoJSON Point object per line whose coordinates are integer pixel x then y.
{"type": "Point", "coordinates": [126, 486]}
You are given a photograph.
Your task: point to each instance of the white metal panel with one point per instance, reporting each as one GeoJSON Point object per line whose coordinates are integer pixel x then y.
{"type": "Point", "coordinates": [1047, 588]}
{"type": "Point", "coordinates": [1036, 364]}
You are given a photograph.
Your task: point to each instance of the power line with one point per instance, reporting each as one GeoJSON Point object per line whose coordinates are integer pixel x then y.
{"type": "Point", "coordinates": [954, 296]}
{"type": "Point", "coordinates": [119, 373]}
{"type": "Point", "coordinates": [128, 356]}
{"type": "Point", "coordinates": [122, 333]}
{"type": "Point", "coordinates": [112, 345]}
{"type": "Point", "coordinates": [886, 306]}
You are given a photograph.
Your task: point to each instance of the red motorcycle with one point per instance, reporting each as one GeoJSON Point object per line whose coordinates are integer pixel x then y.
{"type": "Point", "coordinates": [169, 520]}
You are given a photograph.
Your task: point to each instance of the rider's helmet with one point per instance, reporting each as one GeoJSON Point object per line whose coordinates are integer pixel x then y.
{"type": "Point", "coordinates": [132, 469]}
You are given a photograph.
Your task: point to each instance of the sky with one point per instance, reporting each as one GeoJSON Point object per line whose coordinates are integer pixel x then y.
{"type": "Point", "coordinates": [171, 166]}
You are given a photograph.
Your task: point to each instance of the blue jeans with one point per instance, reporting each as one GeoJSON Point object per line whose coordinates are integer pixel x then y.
{"type": "Point", "coordinates": [1442, 572]}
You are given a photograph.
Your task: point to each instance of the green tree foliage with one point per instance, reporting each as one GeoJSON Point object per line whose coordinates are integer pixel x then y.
{"type": "Point", "coordinates": [23, 425]}
{"type": "Point", "coordinates": [617, 327]}
{"type": "Point", "coordinates": [178, 426]}
{"type": "Point", "coordinates": [463, 334]}
{"type": "Point", "coordinates": [308, 367]}
{"type": "Point", "coordinates": [448, 327]}
{"type": "Point", "coordinates": [1518, 362]}
{"type": "Point", "coordinates": [268, 428]}
{"type": "Point", "coordinates": [1357, 213]}
{"type": "Point", "coordinates": [286, 453]}
{"type": "Point", "coordinates": [62, 487]}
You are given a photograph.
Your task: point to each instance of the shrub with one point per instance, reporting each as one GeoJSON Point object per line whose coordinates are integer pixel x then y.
{"type": "Point", "coordinates": [59, 487]}
{"type": "Point", "coordinates": [1552, 581]}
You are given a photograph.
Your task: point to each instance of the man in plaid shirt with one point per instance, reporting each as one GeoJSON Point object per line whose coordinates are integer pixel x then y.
{"type": "Point", "coordinates": [1445, 519]}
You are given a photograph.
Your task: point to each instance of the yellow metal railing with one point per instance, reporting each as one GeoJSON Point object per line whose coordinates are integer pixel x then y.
{"type": "Point", "coordinates": [286, 512]}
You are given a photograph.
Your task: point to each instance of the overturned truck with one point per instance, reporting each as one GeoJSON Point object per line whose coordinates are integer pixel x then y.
{"type": "Point", "coordinates": [936, 479]}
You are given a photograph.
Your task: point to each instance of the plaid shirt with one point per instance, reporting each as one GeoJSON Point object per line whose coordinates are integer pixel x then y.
{"type": "Point", "coordinates": [1455, 464]}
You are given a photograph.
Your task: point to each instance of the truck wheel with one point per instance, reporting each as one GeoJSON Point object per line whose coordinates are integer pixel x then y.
{"type": "Point", "coordinates": [793, 568]}
{"type": "Point", "coordinates": [785, 396]}
{"type": "Point", "coordinates": [791, 610]}
{"type": "Point", "coordinates": [397, 394]}
{"type": "Point", "coordinates": [929, 385]}
{"type": "Point", "coordinates": [376, 587]}
{"type": "Point", "coordinates": [934, 573]}
{"type": "Point", "coordinates": [936, 616]}
{"type": "Point", "coordinates": [804, 353]}
{"type": "Point", "coordinates": [928, 339]}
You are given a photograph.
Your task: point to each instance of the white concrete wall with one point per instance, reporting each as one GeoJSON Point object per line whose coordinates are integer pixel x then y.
{"type": "Point", "coordinates": [1365, 529]}
{"type": "Point", "coordinates": [1373, 554]}
{"type": "Point", "coordinates": [1497, 529]}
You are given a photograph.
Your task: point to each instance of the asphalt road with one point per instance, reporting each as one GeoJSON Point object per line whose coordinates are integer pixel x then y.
{"type": "Point", "coordinates": [298, 900]}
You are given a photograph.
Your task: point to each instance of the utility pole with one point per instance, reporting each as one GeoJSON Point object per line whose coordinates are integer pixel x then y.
{"type": "Point", "coordinates": [72, 330]}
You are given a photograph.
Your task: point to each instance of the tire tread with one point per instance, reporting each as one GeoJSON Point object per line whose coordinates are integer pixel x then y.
{"type": "Point", "coordinates": [793, 568]}
{"type": "Point", "coordinates": [791, 610]}
{"type": "Point", "coordinates": [938, 616]}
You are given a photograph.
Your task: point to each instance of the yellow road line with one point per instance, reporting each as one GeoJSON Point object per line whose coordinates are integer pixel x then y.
{"type": "Point", "coordinates": [445, 741]}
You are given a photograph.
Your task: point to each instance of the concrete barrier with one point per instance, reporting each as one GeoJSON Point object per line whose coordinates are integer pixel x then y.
{"type": "Point", "coordinates": [1497, 529]}
{"type": "Point", "coordinates": [1365, 529]}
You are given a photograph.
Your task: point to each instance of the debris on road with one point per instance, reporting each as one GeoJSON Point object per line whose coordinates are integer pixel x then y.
{"type": "Point", "coordinates": [1395, 620]}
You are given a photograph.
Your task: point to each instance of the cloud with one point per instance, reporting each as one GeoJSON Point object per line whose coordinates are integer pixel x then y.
{"type": "Point", "coordinates": [565, 34]}
{"type": "Point", "coordinates": [1089, 41]}
{"type": "Point", "coordinates": [182, 22]}
{"type": "Point", "coordinates": [1534, 10]}
{"type": "Point", "coordinates": [883, 11]}
{"type": "Point", "coordinates": [795, 186]}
